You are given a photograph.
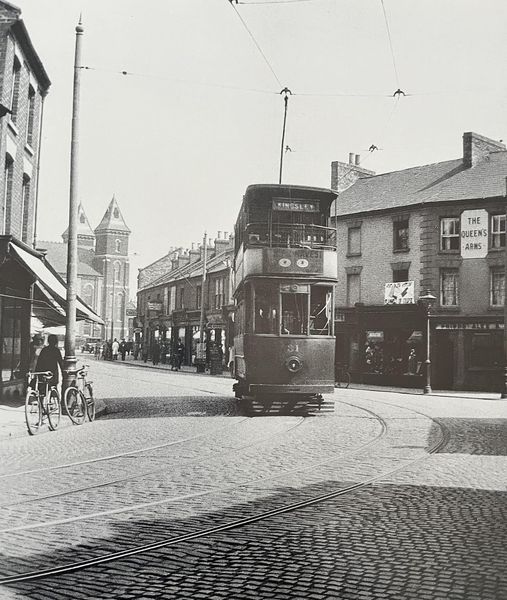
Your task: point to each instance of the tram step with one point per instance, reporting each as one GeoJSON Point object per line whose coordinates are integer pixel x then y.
{"type": "Point", "coordinates": [284, 407]}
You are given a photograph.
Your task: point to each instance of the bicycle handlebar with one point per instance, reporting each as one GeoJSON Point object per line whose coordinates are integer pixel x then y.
{"type": "Point", "coordinates": [45, 374]}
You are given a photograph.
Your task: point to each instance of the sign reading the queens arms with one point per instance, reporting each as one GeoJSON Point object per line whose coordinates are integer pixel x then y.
{"type": "Point", "coordinates": [474, 233]}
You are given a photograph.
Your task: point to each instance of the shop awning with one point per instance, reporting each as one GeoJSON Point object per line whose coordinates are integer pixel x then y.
{"type": "Point", "coordinates": [52, 288]}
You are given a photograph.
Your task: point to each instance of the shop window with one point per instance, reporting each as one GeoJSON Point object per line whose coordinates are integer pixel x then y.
{"type": "Point", "coordinates": [497, 231]}
{"type": "Point", "coordinates": [486, 350]}
{"type": "Point", "coordinates": [11, 339]}
{"type": "Point", "coordinates": [497, 287]}
{"type": "Point", "coordinates": [449, 287]}
{"type": "Point", "coordinates": [294, 319]}
{"type": "Point", "coordinates": [400, 275]}
{"type": "Point", "coordinates": [400, 235]}
{"type": "Point", "coordinates": [354, 241]}
{"type": "Point", "coordinates": [266, 308]}
{"type": "Point", "coordinates": [321, 305]}
{"type": "Point", "coordinates": [353, 288]}
{"type": "Point", "coordinates": [449, 233]}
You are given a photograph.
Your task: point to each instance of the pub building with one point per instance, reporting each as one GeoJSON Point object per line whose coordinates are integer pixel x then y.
{"type": "Point", "coordinates": [437, 229]}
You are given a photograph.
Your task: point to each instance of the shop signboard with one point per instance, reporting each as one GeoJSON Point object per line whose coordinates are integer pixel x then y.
{"type": "Point", "coordinates": [155, 306]}
{"type": "Point", "coordinates": [474, 233]}
{"type": "Point", "coordinates": [470, 326]}
{"type": "Point", "coordinates": [399, 292]}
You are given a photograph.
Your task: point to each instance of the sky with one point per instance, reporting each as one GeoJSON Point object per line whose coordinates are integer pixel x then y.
{"type": "Point", "coordinates": [199, 115]}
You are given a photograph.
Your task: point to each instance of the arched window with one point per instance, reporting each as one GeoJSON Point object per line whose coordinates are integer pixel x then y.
{"type": "Point", "coordinates": [116, 272]}
{"type": "Point", "coordinates": [116, 213]}
{"type": "Point", "coordinates": [82, 218]}
{"type": "Point", "coordinates": [120, 307]}
{"type": "Point", "coordinates": [117, 245]}
{"type": "Point", "coordinates": [88, 294]}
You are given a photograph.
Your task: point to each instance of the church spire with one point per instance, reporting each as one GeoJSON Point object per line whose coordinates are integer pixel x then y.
{"type": "Point", "coordinates": [85, 235]}
{"type": "Point", "coordinates": [112, 219]}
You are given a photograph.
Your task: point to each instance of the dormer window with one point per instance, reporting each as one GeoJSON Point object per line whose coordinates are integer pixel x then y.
{"type": "Point", "coordinates": [82, 218]}
{"type": "Point", "coordinates": [116, 213]}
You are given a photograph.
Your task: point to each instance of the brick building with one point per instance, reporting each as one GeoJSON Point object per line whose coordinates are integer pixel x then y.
{"type": "Point", "coordinates": [103, 272]}
{"type": "Point", "coordinates": [437, 227]}
{"type": "Point", "coordinates": [29, 286]}
{"type": "Point", "coordinates": [170, 294]}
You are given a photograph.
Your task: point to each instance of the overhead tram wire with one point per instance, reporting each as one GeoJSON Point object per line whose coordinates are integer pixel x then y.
{"type": "Point", "coordinates": [391, 46]}
{"type": "Point", "coordinates": [257, 45]}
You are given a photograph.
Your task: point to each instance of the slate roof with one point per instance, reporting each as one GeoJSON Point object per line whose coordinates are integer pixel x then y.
{"type": "Point", "coordinates": [83, 225]}
{"type": "Point", "coordinates": [57, 257]}
{"type": "Point", "coordinates": [112, 219]}
{"type": "Point", "coordinates": [214, 264]}
{"type": "Point", "coordinates": [448, 181]}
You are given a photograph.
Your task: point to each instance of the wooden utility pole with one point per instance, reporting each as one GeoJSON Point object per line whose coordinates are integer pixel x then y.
{"type": "Point", "coordinates": [70, 332]}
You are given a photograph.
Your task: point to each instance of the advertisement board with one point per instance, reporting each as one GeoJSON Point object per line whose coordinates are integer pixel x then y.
{"type": "Point", "coordinates": [399, 292]}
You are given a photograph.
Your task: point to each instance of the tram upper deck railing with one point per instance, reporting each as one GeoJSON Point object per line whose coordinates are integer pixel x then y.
{"type": "Point", "coordinates": [281, 235]}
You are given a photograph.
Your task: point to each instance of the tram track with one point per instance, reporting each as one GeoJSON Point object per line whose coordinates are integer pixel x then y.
{"type": "Point", "coordinates": [140, 506]}
{"type": "Point", "coordinates": [224, 527]}
{"type": "Point", "coordinates": [236, 524]}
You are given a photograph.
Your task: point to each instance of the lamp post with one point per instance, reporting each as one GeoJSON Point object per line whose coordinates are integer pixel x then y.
{"type": "Point", "coordinates": [426, 301]}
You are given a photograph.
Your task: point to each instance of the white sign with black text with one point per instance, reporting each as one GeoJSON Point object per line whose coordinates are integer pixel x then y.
{"type": "Point", "coordinates": [399, 292]}
{"type": "Point", "coordinates": [474, 233]}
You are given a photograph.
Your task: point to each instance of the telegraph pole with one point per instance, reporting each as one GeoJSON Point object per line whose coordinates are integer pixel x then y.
{"type": "Point", "coordinates": [70, 331]}
{"type": "Point", "coordinates": [286, 93]}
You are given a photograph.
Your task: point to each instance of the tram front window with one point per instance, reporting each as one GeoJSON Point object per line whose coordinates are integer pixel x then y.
{"type": "Point", "coordinates": [266, 308]}
{"type": "Point", "coordinates": [321, 298]}
{"type": "Point", "coordinates": [294, 310]}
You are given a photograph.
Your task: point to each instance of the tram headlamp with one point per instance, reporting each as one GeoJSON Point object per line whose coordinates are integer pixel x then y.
{"type": "Point", "coordinates": [294, 364]}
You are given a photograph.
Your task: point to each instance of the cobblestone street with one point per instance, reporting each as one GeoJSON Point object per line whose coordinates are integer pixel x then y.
{"type": "Point", "coordinates": [393, 495]}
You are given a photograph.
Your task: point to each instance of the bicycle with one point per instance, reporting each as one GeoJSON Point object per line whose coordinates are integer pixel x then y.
{"type": "Point", "coordinates": [78, 398]}
{"type": "Point", "coordinates": [38, 405]}
{"type": "Point", "coordinates": [342, 377]}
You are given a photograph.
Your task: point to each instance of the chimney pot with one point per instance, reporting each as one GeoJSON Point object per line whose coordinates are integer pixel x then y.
{"type": "Point", "coordinates": [358, 159]}
{"type": "Point", "coordinates": [351, 158]}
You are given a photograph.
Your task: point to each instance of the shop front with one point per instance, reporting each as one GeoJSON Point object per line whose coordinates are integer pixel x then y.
{"type": "Point", "coordinates": [382, 345]}
{"type": "Point", "coordinates": [468, 352]}
{"type": "Point", "coordinates": [29, 288]}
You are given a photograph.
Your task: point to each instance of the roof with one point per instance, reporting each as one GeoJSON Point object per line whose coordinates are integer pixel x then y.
{"type": "Point", "coordinates": [83, 225]}
{"type": "Point", "coordinates": [112, 219]}
{"type": "Point", "coordinates": [214, 264]}
{"type": "Point", "coordinates": [57, 255]}
{"type": "Point", "coordinates": [448, 181]}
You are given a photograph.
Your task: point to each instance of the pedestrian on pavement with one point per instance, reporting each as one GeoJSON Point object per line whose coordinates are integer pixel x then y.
{"type": "Point", "coordinates": [49, 359]}
{"type": "Point", "coordinates": [180, 354]}
{"type": "Point", "coordinates": [115, 346]}
{"type": "Point", "coordinates": [123, 349]}
{"type": "Point", "coordinates": [155, 353]}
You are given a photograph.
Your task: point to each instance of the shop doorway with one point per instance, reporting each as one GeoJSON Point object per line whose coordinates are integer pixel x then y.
{"type": "Point", "coordinates": [442, 362]}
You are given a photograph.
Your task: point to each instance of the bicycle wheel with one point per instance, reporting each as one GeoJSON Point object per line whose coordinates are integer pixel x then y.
{"type": "Point", "coordinates": [90, 401]}
{"type": "Point", "coordinates": [53, 409]}
{"type": "Point", "coordinates": [33, 412]}
{"type": "Point", "coordinates": [75, 405]}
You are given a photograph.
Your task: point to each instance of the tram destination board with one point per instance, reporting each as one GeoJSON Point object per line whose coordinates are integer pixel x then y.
{"type": "Point", "coordinates": [296, 205]}
{"type": "Point", "coordinates": [293, 260]}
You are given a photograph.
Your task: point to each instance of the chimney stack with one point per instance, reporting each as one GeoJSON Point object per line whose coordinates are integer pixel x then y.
{"type": "Point", "coordinates": [477, 147]}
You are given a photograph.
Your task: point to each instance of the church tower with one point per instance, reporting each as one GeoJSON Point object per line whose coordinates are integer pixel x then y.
{"type": "Point", "coordinates": [85, 235]}
{"type": "Point", "coordinates": [111, 259]}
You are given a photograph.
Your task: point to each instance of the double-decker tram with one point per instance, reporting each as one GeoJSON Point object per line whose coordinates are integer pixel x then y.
{"type": "Point", "coordinates": [285, 275]}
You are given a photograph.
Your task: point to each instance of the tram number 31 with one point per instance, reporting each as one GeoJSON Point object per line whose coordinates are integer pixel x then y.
{"type": "Point", "coordinates": [293, 348]}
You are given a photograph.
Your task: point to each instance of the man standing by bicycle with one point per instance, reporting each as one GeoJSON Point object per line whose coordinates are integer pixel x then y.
{"type": "Point", "coordinates": [50, 358]}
